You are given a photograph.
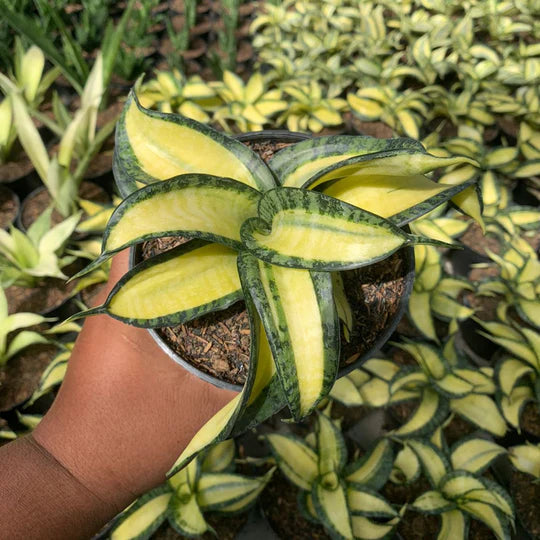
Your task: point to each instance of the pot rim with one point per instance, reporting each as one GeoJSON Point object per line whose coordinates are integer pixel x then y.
{"type": "Point", "coordinates": [408, 276]}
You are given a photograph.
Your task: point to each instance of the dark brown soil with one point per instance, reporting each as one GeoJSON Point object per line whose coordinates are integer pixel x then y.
{"type": "Point", "coordinates": [530, 419]}
{"type": "Point", "coordinates": [20, 377]}
{"type": "Point", "coordinates": [9, 207]}
{"type": "Point", "coordinates": [475, 240]}
{"type": "Point", "coordinates": [526, 496]}
{"type": "Point", "coordinates": [39, 201]}
{"type": "Point", "coordinates": [485, 307]}
{"type": "Point", "coordinates": [374, 129]}
{"type": "Point", "coordinates": [18, 167]}
{"type": "Point", "coordinates": [48, 295]}
{"type": "Point", "coordinates": [279, 504]}
{"type": "Point", "coordinates": [226, 528]}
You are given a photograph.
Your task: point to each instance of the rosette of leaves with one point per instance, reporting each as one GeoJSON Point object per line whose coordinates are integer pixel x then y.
{"type": "Point", "coordinates": [519, 280]}
{"type": "Point", "coordinates": [340, 495]}
{"type": "Point", "coordinates": [262, 233]}
{"type": "Point", "coordinates": [459, 492]}
{"type": "Point", "coordinates": [522, 104]}
{"type": "Point", "coordinates": [444, 386]}
{"type": "Point", "coordinates": [205, 485]}
{"type": "Point", "coordinates": [368, 385]}
{"type": "Point", "coordinates": [471, 454]}
{"type": "Point", "coordinates": [460, 105]}
{"type": "Point", "coordinates": [26, 258]}
{"type": "Point", "coordinates": [172, 91]}
{"type": "Point", "coordinates": [404, 111]}
{"type": "Point", "coordinates": [518, 373]}
{"type": "Point", "coordinates": [28, 75]}
{"type": "Point", "coordinates": [496, 167]}
{"type": "Point", "coordinates": [309, 109]}
{"type": "Point", "coordinates": [249, 106]}
{"type": "Point", "coordinates": [435, 294]}
{"type": "Point", "coordinates": [526, 458]}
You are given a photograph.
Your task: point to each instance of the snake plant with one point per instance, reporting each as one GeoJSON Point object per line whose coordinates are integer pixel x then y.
{"type": "Point", "coordinates": [434, 294]}
{"type": "Point", "coordinates": [262, 233]}
{"type": "Point", "coordinates": [172, 91]}
{"type": "Point", "coordinates": [207, 484]}
{"type": "Point", "coordinates": [517, 373]}
{"type": "Point", "coordinates": [526, 458]}
{"type": "Point", "coordinates": [459, 492]}
{"type": "Point", "coordinates": [368, 385]}
{"type": "Point", "coordinates": [444, 386]}
{"type": "Point", "coordinates": [340, 495]}
{"type": "Point", "coordinates": [518, 281]}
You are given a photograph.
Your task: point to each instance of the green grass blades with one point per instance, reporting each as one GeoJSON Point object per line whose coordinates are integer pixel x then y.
{"type": "Point", "coordinates": [306, 229]}
{"type": "Point", "coordinates": [175, 287]}
{"type": "Point", "coordinates": [294, 166]}
{"type": "Point", "coordinates": [299, 317]}
{"type": "Point", "coordinates": [191, 205]}
{"type": "Point", "coordinates": [153, 146]}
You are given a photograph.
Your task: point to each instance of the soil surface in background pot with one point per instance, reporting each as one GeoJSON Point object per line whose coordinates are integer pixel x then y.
{"type": "Point", "coordinates": [35, 204]}
{"type": "Point", "coordinates": [20, 376]}
{"type": "Point", "coordinates": [526, 496]}
{"type": "Point", "coordinates": [49, 294]}
{"type": "Point", "coordinates": [9, 207]}
{"type": "Point", "coordinates": [280, 506]}
{"type": "Point", "coordinates": [218, 343]}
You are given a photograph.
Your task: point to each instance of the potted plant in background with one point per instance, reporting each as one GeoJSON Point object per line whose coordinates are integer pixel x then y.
{"type": "Point", "coordinates": [271, 234]}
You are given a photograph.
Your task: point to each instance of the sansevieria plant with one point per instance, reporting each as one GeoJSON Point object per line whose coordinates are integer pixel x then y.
{"type": "Point", "coordinates": [261, 233]}
{"type": "Point", "coordinates": [340, 495]}
{"type": "Point", "coordinates": [208, 484]}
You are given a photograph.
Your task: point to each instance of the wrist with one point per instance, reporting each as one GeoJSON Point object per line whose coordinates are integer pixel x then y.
{"type": "Point", "coordinates": [45, 499]}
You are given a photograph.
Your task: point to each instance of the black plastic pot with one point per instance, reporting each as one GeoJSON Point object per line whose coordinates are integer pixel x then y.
{"type": "Point", "coordinates": [391, 324]}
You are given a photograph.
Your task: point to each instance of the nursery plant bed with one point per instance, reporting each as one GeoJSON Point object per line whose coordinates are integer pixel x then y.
{"type": "Point", "coordinates": [216, 346]}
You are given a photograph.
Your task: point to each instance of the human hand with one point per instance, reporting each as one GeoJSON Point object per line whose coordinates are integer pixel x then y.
{"type": "Point", "coordinates": [125, 410]}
